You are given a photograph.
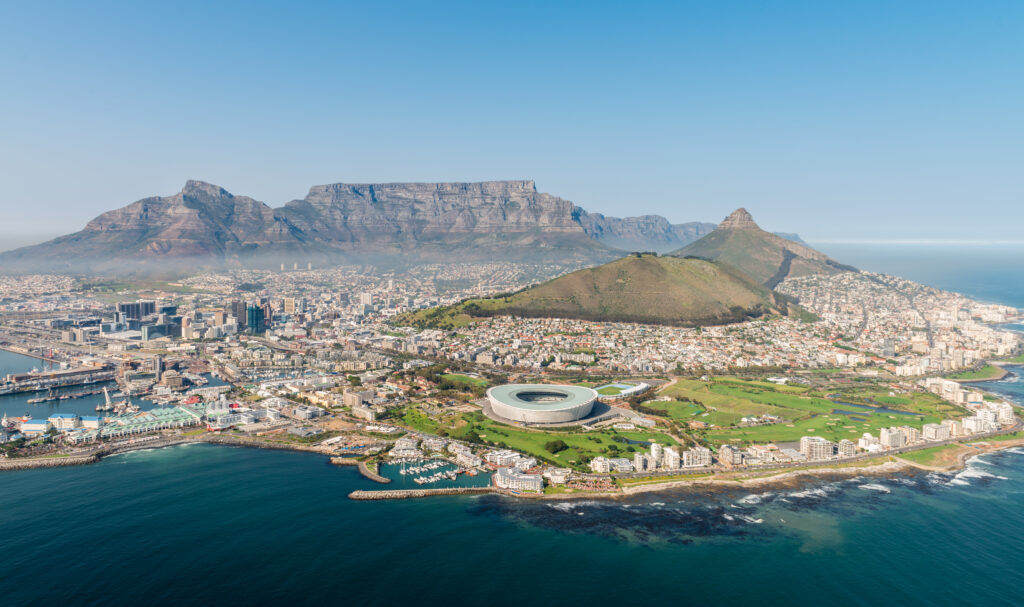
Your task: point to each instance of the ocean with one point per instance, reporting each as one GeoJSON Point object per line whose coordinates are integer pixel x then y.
{"type": "Point", "coordinates": [201, 525]}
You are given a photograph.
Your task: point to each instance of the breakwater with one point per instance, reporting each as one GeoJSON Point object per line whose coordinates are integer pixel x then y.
{"type": "Point", "coordinates": [29, 463]}
{"type": "Point", "coordinates": [370, 474]}
{"type": "Point", "coordinates": [363, 468]}
{"type": "Point", "coordinates": [401, 494]}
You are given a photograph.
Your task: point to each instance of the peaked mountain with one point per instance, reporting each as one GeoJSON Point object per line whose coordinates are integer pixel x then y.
{"type": "Point", "coordinates": [637, 288]}
{"type": "Point", "coordinates": [204, 225]}
{"type": "Point", "coordinates": [766, 257]}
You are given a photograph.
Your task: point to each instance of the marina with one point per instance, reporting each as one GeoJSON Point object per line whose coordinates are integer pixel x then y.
{"type": "Point", "coordinates": [439, 473]}
{"type": "Point", "coordinates": [418, 471]}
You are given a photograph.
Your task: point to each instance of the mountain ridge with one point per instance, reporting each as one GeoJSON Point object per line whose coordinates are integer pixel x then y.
{"type": "Point", "coordinates": [205, 225]}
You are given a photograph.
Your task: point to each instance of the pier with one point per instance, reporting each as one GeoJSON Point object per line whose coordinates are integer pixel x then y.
{"type": "Point", "coordinates": [27, 352]}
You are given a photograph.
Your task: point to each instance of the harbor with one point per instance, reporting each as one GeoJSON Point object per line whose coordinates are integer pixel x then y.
{"type": "Point", "coordinates": [430, 473]}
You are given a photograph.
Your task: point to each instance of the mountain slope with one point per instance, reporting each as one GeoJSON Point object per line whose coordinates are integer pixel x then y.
{"type": "Point", "coordinates": [202, 221]}
{"type": "Point", "coordinates": [766, 257]}
{"type": "Point", "coordinates": [636, 288]}
{"type": "Point", "coordinates": [206, 226]}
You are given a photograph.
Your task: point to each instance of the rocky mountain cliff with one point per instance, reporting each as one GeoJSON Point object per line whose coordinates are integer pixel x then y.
{"type": "Point", "coordinates": [204, 225]}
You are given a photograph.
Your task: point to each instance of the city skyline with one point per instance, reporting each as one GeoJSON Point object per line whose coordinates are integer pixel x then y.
{"type": "Point", "coordinates": [872, 122]}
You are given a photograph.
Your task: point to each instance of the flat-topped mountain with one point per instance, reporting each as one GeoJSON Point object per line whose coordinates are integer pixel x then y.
{"type": "Point", "coordinates": [766, 257]}
{"type": "Point", "coordinates": [205, 225]}
{"type": "Point", "coordinates": [636, 288]}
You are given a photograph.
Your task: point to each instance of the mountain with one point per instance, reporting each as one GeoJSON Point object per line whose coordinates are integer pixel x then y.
{"type": "Point", "coordinates": [202, 221]}
{"type": "Point", "coordinates": [766, 257]}
{"type": "Point", "coordinates": [644, 233]}
{"type": "Point", "coordinates": [204, 225]}
{"type": "Point", "coordinates": [637, 288]}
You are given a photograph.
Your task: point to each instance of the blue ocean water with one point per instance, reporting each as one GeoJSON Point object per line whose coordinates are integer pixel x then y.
{"type": "Point", "coordinates": [992, 273]}
{"type": "Point", "coordinates": [201, 525]}
{"type": "Point", "coordinates": [16, 405]}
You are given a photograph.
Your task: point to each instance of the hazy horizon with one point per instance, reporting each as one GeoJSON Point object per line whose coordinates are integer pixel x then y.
{"type": "Point", "coordinates": [865, 121]}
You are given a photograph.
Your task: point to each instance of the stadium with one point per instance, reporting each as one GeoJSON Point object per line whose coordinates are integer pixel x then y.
{"type": "Point", "coordinates": [541, 403]}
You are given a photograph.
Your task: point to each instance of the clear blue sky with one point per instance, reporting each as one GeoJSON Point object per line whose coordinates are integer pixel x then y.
{"type": "Point", "coordinates": [850, 120]}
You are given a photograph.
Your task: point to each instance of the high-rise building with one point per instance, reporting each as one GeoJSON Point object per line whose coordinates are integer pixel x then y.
{"type": "Point", "coordinates": [696, 457]}
{"type": "Point", "coordinates": [892, 438]}
{"type": "Point", "coordinates": [657, 452]}
{"type": "Point", "coordinates": [729, 455]}
{"type": "Point", "coordinates": [238, 310]}
{"type": "Point", "coordinates": [135, 310]}
{"type": "Point", "coordinates": [671, 459]}
{"type": "Point", "coordinates": [255, 320]}
{"type": "Point", "coordinates": [294, 305]}
{"type": "Point", "coordinates": [816, 447]}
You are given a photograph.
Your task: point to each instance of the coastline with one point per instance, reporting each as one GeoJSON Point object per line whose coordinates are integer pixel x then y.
{"type": "Point", "coordinates": [784, 478]}
{"type": "Point", "coordinates": [55, 461]}
{"type": "Point", "coordinates": [16, 350]}
{"type": "Point", "coordinates": [1001, 375]}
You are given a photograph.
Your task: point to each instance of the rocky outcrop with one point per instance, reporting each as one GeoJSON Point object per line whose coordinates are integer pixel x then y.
{"type": "Point", "coordinates": [768, 258]}
{"type": "Point", "coordinates": [740, 219]}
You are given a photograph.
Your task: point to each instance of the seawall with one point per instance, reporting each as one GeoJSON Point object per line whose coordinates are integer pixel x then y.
{"type": "Point", "coordinates": [399, 494]}
{"type": "Point", "coordinates": [46, 462]}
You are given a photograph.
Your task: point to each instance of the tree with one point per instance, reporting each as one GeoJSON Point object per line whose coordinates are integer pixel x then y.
{"type": "Point", "coordinates": [555, 446]}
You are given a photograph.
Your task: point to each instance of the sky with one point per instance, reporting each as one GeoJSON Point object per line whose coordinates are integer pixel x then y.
{"type": "Point", "coordinates": [855, 121]}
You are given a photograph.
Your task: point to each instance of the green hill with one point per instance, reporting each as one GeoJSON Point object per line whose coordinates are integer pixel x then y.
{"type": "Point", "coordinates": [768, 258]}
{"type": "Point", "coordinates": [638, 288]}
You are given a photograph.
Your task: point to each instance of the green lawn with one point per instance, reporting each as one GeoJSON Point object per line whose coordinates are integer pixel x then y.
{"type": "Point", "coordinates": [609, 391]}
{"type": "Point", "coordinates": [722, 408]}
{"type": "Point", "coordinates": [986, 372]}
{"type": "Point", "coordinates": [419, 421]}
{"type": "Point", "coordinates": [794, 389]}
{"type": "Point", "coordinates": [651, 480]}
{"type": "Point", "coordinates": [1007, 437]}
{"type": "Point", "coordinates": [679, 411]}
{"type": "Point", "coordinates": [581, 444]}
{"type": "Point", "coordinates": [929, 457]}
{"type": "Point", "coordinates": [458, 378]}
{"type": "Point", "coordinates": [832, 427]}
{"type": "Point", "coordinates": [1016, 359]}
{"type": "Point", "coordinates": [727, 400]}
{"type": "Point", "coordinates": [924, 403]}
